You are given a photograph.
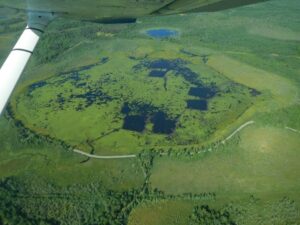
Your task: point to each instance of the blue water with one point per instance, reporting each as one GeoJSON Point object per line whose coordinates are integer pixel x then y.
{"type": "Point", "coordinates": [162, 33]}
{"type": "Point", "coordinates": [197, 104]}
{"type": "Point", "coordinates": [135, 123]}
{"type": "Point", "coordinates": [203, 91]}
{"type": "Point", "coordinates": [138, 114]}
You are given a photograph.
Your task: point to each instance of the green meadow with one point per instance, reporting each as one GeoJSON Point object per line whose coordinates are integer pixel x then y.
{"type": "Point", "coordinates": [210, 114]}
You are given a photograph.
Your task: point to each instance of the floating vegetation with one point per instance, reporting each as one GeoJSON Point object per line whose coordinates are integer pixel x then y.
{"type": "Point", "coordinates": [93, 96]}
{"type": "Point", "coordinates": [135, 107]}
{"type": "Point", "coordinates": [160, 67]}
{"type": "Point", "coordinates": [90, 93]}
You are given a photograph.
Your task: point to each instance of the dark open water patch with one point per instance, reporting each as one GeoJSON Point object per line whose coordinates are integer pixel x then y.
{"type": "Point", "coordinates": [161, 123]}
{"type": "Point", "coordinates": [160, 67]}
{"type": "Point", "coordinates": [162, 33]}
{"type": "Point", "coordinates": [135, 123]}
{"type": "Point", "coordinates": [157, 73]}
{"type": "Point", "coordinates": [197, 104]}
{"type": "Point", "coordinates": [138, 108]}
{"type": "Point", "coordinates": [125, 108]}
{"type": "Point", "coordinates": [83, 93]}
{"type": "Point", "coordinates": [82, 89]}
{"type": "Point", "coordinates": [93, 96]}
{"type": "Point", "coordinates": [165, 64]}
{"type": "Point", "coordinates": [74, 78]}
{"type": "Point", "coordinates": [137, 114]}
{"type": "Point", "coordinates": [203, 92]}
{"type": "Point", "coordinates": [36, 85]}
{"type": "Point", "coordinates": [71, 75]}
{"type": "Point", "coordinates": [189, 76]}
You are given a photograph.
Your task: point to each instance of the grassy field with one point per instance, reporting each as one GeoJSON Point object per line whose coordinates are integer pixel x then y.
{"type": "Point", "coordinates": [284, 92]}
{"type": "Point", "coordinates": [114, 90]}
{"type": "Point", "coordinates": [254, 176]}
{"type": "Point", "coordinates": [61, 166]}
{"type": "Point", "coordinates": [256, 165]}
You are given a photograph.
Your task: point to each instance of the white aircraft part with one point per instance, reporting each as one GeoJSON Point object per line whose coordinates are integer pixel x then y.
{"type": "Point", "coordinates": [14, 65]}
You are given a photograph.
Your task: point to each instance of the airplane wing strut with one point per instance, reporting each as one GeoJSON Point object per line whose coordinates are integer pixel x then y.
{"type": "Point", "coordinates": [15, 63]}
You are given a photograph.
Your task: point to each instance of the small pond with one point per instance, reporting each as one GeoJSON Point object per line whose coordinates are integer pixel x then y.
{"type": "Point", "coordinates": [161, 123]}
{"type": "Point", "coordinates": [135, 123]}
{"type": "Point", "coordinates": [203, 92]}
{"type": "Point", "coordinates": [138, 114]}
{"type": "Point", "coordinates": [162, 33]}
{"type": "Point", "coordinates": [197, 104]}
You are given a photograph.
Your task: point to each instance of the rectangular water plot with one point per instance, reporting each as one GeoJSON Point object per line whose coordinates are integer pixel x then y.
{"type": "Point", "coordinates": [197, 104]}
{"type": "Point", "coordinates": [203, 92]}
{"type": "Point", "coordinates": [161, 124]}
{"type": "Point", "coordinates": [135, 123]}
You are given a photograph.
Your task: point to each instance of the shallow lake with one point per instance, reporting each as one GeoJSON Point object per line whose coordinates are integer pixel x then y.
{"type": "Point", "coordinates": [162, 124]}
{"type": "Point", "coordinates": [135, 123]}
{"type": "Point", "coordinates": [203, 92]}
{"type": "Point", "coordinates": [162, 33]}
{"type": "Point", "coordinates": [197, 104]}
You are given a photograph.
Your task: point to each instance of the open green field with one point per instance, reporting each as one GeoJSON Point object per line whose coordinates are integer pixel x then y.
{"type": "Point", "coordinates": [255, 165]}
{"type": "Point", "coordinates": [258, 164]}
{"type": "Point", "coordinates": [210, 118]}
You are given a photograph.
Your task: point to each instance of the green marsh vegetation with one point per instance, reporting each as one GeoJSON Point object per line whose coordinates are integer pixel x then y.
{"type": "Point", "coordinates": [110, 90]}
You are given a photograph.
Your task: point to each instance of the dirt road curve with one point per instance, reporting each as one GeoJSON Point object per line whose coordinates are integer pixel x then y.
{"type": "Point", "coordinates": [237, 130]}
{"type": "Point", "coordinates": [103, 157]}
